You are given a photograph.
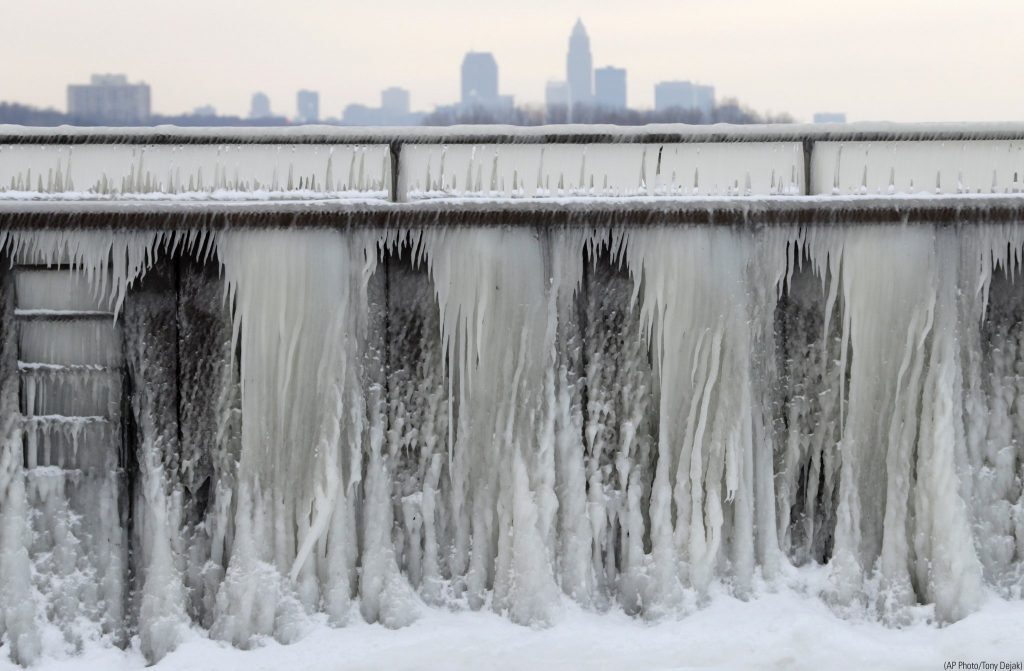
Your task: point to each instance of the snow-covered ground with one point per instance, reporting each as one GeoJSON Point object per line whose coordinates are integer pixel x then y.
{"type": "Point", "coordinates": [782, 628]}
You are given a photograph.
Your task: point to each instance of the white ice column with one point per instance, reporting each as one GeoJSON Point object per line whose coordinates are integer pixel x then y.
{"type": "Point", "coordinates": [496, 304]}
{"type": "Point", "coordinates": [300, 318]}
{"type": "Point", "coordinates": [899, 494]}
{"type": "Point", "coordinates": [697, 313]}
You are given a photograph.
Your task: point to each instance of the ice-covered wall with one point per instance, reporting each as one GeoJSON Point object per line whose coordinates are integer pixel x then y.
{"type": "Point", "coordinates": [232, 431]}
{"type": "Point", "coordinates": [369, 423]}
{"type": "Point", "coordinates": [221, 171]}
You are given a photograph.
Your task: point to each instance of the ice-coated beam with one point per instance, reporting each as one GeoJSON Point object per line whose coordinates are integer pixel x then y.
{"type": "Point", "coordinates": [965, 210]}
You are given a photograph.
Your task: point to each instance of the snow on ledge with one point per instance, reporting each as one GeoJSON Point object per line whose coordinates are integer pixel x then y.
{"type": "Point", "coordinates": [316, 134]}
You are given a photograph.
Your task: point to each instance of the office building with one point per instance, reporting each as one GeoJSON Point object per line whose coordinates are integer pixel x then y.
{"type": "Point", "coordinates": [394, 101]}
{"type": "Point", "coordinates": [556, 94]}
{"type": "Point", "coordinates": [704, 98]}
{"type": "Point", "coordinates": [394, 110]}
{"type": "Point", "coordinates": [307, 105]}
{"type": "Point", "coordinates": [109, 99]}
{"type": "Point", "coordinates": [479, 80]}
{"type": "Point", "coordinates": [610, 88]}
{"type": "Point", "coordinates": [260, 107]}
{"type": "Point", "coordinates": [684, 95]}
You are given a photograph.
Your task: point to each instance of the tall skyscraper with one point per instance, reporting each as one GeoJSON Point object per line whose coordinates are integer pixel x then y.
{"type": "Point", "coordinates": [394, 101]}
{"type": "Point", "coordinates": [579, 67]}
{"type": "Point", "coordinates": [479, 79]}
{"type": "Point", "coordinates": [260, 108]}
{"type": "Point", "coordinates": [610, 88]}
{"type": "Point", "coordinates": [308, 106]}
{"type": "Point", "coordinates": [109, 99]}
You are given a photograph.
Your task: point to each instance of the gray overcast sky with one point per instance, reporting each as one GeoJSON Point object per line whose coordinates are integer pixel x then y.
{"type": "Point", "coordinates": [874, 59]}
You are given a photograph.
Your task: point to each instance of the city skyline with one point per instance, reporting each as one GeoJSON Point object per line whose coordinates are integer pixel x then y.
{"type": "Point", "coordinates": [580, 67]}
{"type": "Point", "coordinates": [757, 55]}
{"type": "Point", "coordinates": [110, 99]}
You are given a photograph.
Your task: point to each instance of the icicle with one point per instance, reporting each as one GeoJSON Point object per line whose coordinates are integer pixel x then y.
{"type": "Point", "coordinates": [494, 321]}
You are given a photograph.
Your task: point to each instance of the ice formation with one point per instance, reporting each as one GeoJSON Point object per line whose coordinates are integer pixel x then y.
{"type": "Point", "coordinates": [601, 169]}
{"type": "Point", "coordinates": [230, 170]}
{"type": "Point", "coordinates": [933, 167]}
{"type": "Point", "coordinates": [232, 431]}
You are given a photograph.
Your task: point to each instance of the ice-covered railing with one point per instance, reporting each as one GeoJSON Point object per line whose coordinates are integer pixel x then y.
{"type": "Point", "coordinates": [930, 166]}
{"type": "Point", "coordinates": [193, 171]}
{"type": "Point", "coordinates": [601, 170]}
{"type": "Point", "coordinates": [502, 162]}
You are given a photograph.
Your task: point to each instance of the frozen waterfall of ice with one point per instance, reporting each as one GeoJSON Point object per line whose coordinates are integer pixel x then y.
{"type": "Point", "coordinates": [369, 423]}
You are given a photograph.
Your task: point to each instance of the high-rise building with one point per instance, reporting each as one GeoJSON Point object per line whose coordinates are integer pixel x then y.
{"type": "Point", "coordinates": [684, 95]}
{"type": "Point", "coordinates": [394, 101]}
{"type": "Point", "coordinates": [610, 88]}
{"type": "Point", "coordinates": [579, 67]}
{"type": "Point", "coordinates": [479, 79]}
{"type": "Point", "coordinates": [109, 99]}
{"type": "Point", "coordinates": [205, 111]}
{"type": "Point", "coordinates": [556, 102]}
{"type": "Point", "coordinates": [260, 108]}
{"type": "Point", "coordinates": [307, 105]}
{"type": "Point", "coordinates": [673, 94]}
{"type": "Point", "coordinates": [361, 115]}
{"type": "Point", "coordinates": [394, 110]}
{"type": "Point", "coordinates": [704, 98]}
{"type": "Point", "coordinates": [556, 94]}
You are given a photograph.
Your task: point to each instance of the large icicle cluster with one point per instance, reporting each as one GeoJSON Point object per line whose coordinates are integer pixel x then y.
{"type": "Point", "coordinates": [368, 423]}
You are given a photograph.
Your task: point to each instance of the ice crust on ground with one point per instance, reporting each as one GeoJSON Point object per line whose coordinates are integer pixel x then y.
{"type": "Point", "coordinates": [329, 427]}
{"type": "Point", "coordinates": [782, 629]}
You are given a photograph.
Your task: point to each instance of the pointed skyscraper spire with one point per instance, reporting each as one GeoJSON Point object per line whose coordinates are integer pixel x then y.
{"type": "Point", "coordinates": [579, 67]}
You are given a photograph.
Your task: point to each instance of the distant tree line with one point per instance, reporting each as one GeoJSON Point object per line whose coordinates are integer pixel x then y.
{"type": "Point", "coordinates": [26, 115]}
{"type": "Point", "coordinates": [728, 111]}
